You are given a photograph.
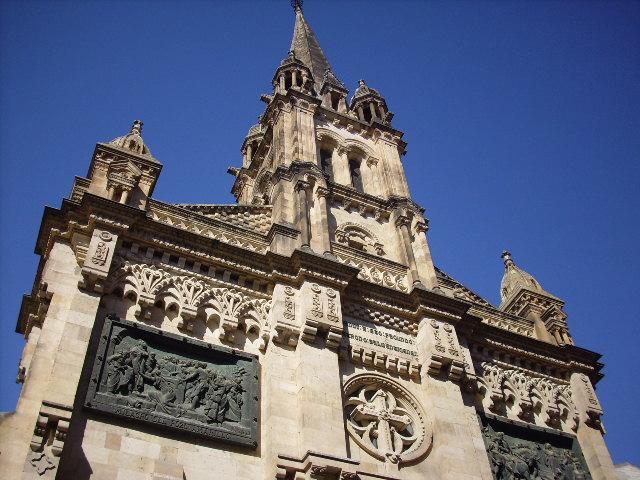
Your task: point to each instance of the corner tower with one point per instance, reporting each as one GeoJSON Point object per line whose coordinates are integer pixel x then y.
{"type": "Point", "coordinates": [333, 170]}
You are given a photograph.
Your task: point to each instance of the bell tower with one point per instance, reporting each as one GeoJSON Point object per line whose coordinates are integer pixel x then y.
{"type": "Point", "coordinates": [332, 170]}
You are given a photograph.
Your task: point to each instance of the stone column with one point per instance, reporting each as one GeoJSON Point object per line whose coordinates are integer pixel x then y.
{"type": "Point", "coordinates": [340, 164]}
{"type": "Point", "coordinates": [321, 195]}
{"type": "Point", "coordinates": [124, 195]}
{"type": "Point", "coordinates": [540, 329]}
{"type": "Point", "coordinates": [373, 110]}
{"type": "Point", "coordinates": [302, 188]}
{"type": "Point", "coordinates": [403, 223]}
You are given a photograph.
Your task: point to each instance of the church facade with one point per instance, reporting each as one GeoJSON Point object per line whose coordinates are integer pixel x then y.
{"type": "Point", "coordinates": [302, 333]}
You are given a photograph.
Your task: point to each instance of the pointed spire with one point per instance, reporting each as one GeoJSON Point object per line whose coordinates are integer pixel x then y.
{"type": "Point", "coordinates": [133, 141]}
{"type": "Point", "coordinates": [516, 279]}
{"type": "Point", "coordinates": [306, 47]}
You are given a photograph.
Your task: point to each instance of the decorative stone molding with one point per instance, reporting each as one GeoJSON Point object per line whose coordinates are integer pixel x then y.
{"type": "Point", "coordinates": [48, 438]}
{"type": "Point", "coordinates": [586, 400]}
{"type": "Point", "coordinates": [322, 313]}
{"type": "Point", "coordinates": [387, 350]}
{"type": "Point", "coordinates": [358, 237]}
{"type": "Point", "coordinates": [439, 349]}
{"type": "Point", "coordinates": [193, 299]}
{"type": "Point", "coordinates": [385, 420]}
{"type": "Point", "coordinates": [240, 225]}
{"type": "Point", "coordinates": [98, 260]}
{"type": "Point", "coordinates": [316, 465]}
{"type": "Point", "coordinates": [377, 313]}
{"type": "Point", "coordinates": [518, 393]}
{"type": "Point", "coordinates": [286, 329]}
{"type": "Point", "coordinates": [373, 268]}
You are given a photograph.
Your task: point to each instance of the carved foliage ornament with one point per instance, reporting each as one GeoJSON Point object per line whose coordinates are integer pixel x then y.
{"type": "Point", "coordinates": [192, 296]}
{"type": "Point", "coordinates": [528, 397]}
{"type": "Point", "coordinates": [386, 420]}
{"type": "Point", "coordinates": [181, 384]}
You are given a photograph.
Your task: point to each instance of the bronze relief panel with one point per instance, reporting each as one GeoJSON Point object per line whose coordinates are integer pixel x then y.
{"type": "Point", "coordinates": [175, 382]}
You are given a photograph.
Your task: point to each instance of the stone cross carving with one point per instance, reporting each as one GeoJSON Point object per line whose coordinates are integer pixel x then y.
{"type": "Point", "coordinates": [379, 417]}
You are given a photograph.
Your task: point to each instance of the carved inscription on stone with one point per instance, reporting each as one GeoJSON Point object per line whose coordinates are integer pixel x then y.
{"type": "Point", "coordinates": [376, 337]}
{"type": "Point", "coordinates": [175, 382]}
{"type": "Point", "coordinates": [519, 453]}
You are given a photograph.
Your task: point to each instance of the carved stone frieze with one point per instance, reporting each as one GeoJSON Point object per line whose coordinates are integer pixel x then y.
{"type": "Point", "coordinates": [286, 327]}
{"type": "Point", "coordinates": [586, 400]}
{"type": "Point", "coordinates": [385, 420]}
{"type": "Point", "coordinates": [321, 466]}
{"type": "Point", "coordinates": [519, 393]}
{"type": "Point", "coordinates": [373, 270]}
{"type": "Point", "coordinates": [181, 384]}
{"type": "Point", "coordinates": [194, 299]}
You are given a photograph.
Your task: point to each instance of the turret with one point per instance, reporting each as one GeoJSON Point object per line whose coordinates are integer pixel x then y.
{"type": "Point", "coordinates": [369, 105]}
{"type": "Point", "coordinates": [123, 170]}
{"type": "Point", "coordinates": [523, 295]}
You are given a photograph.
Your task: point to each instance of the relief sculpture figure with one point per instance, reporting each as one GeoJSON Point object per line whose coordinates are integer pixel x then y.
{"type": "Point", "coordinates": [532, 461]}
{"type": "Point", "coordinates": [175, 386]}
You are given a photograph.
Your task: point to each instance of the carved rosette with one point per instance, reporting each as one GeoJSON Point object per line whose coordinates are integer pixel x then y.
{"type": "Point", "coordinates": [386, 420]}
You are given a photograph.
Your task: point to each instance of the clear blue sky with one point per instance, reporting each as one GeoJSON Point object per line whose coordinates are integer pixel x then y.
{"type": "Point", "coordinates": [522, 120]}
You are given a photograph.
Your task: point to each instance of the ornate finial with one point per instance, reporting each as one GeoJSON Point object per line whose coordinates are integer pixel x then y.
{"type": "Point", "coordinates": [506, 256]}
{"type": "Point", "coordinates": [136, 128]}
{"type": "Point", "coordinates": [297, 5]}
{"type": "Point", "coordinates": [361, 83]}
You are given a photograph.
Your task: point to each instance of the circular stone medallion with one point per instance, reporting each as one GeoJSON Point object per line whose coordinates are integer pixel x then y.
{"type": "Point", "coordinates": [386, 420]}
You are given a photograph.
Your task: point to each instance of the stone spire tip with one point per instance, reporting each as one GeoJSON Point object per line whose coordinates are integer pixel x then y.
{"type": "Point", "coordinates": [297, 5]}
{"type": "Point", "coordinates": [506, 256]}
{"type": "Point", "coordinates": [137, 127]}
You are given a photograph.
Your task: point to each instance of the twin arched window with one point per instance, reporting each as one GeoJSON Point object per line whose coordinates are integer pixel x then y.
{"type": "Point", "coordinates": [354, 161]}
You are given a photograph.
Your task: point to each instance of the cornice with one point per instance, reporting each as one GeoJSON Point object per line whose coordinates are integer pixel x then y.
{"type": "Point", "coordinates": [494, 338]}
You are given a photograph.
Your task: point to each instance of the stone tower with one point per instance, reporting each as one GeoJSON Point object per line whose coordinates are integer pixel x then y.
{"type": "Point", "coordinates": [303, 333]}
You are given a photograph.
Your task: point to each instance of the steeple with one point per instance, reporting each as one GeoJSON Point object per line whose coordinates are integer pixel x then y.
{"type": "Point", "coordinates": [306, 48]}
{"type": "Point", "coordinates": [332, 172]}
